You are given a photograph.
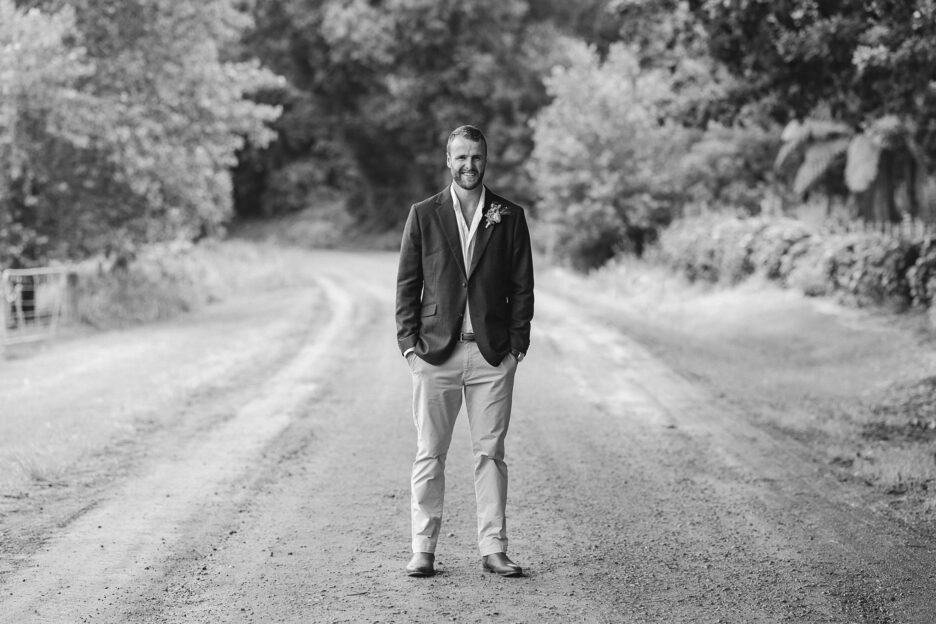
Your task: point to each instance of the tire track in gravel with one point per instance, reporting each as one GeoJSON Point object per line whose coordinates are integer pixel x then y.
{"type": "Point", "coordinates": [730, 523]}
{"type": "Point", "coordinates": [211, 375]}
{"type": "Point", "coordinates": [324, 533]}
{"type": "Point", "coordinates": [124, 540]}
{"type": "Point", "coordinates": [636, 496]}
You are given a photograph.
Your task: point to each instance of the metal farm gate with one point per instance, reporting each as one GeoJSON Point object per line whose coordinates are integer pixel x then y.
{"type": "Point", "coordinates": [33, 302]}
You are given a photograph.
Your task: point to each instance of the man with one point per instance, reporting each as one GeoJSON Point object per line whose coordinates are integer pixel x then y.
{"type": "Point", "coordinates": [463, 309]}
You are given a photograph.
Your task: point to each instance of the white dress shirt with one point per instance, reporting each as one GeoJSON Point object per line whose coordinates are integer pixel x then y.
{"type": "Point", "coordinates": [467, 235]}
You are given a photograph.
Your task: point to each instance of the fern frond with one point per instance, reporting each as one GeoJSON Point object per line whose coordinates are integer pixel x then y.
{"type": "Point", "coordinates": [799, 134]}
{"type": "Point", "coordinates": [819, 159]}
{"type": "Point", "coordinates": [889, 131]}
{"type": "Point", "coordinates": [785, 155]}
{"type": "Point", "coordinates": [861, 168]}
{"type": "Point", "coordinates": [822, 129]}
{"type": "Point", "coordinates": [795, 132]}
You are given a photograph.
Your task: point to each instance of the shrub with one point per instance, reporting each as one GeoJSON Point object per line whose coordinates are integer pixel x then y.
{"type": "Point", "coordinates": [807, 267]}
{"type": "Point", "coordinates": [777, 241]}
{"type": "Point", "coordinates": [162, 282]}
{"type": "Point", "coordinates": [870, 268]}
{"type": "Point", "coordinates": [921, 276]}
{"type": "Point", "coordinates": [867, 268]}
{"type": "Point", "coordinates": [724, 249]}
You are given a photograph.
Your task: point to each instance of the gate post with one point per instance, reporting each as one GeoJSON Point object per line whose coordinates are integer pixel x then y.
{"type": "Point", "coordinates": [4, 310]}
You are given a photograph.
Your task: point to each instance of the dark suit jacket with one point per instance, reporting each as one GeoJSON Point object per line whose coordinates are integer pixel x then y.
{"type": "Point", "coordinates": [433, 282]}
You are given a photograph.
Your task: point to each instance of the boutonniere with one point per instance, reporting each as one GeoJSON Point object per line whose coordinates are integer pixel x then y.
{"type": "Point", "coordinates": [494, 214]}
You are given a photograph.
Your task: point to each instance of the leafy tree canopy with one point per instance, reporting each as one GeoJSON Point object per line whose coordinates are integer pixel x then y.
{"type": "Point", "coordinates": [145, 117]}
{"type": "Point", "coordinates": [386, 81]}
{"type": "Point", "coordinates": [603, 156]}
{"type": "Point", "coordinates": [857, 59]}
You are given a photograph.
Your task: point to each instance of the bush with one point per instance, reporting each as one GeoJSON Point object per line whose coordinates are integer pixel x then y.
{"type": "Point", "coordinates": [807, 268]}
{"type": "Point", "coordinates": [714, 248]}
{"type": "Point", "coordinates": [870, 269]}
{"type": "Point", "coordinates": [162, 282]}
{"type": "Point", "coordinates": [863, 269]}
{"type": "Point", "coordinates": [776, 244]}
{"type": "Point", "coordinates": [921, 276]}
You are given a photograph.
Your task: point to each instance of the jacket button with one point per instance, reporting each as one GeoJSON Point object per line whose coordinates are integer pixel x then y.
{"type": "Point", "coordinates": [464, 284]}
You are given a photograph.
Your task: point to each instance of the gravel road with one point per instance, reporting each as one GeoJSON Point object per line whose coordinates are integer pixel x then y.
{"type": "Point", "coordinates": [249, 463]}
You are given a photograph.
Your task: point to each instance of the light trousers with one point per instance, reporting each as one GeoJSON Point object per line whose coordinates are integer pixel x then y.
{"type": "Point", "coordinates": [437, 399]}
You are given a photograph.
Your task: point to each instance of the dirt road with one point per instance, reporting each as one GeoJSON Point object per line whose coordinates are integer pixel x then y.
{"type": "Point", "coordinates": [250, 464]}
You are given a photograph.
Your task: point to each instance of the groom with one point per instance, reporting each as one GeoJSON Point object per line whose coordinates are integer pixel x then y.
{"type": "Point", "coordinates": [463, 307]}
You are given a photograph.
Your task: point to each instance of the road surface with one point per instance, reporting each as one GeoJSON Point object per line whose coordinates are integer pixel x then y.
{"type": "Point", "coordinates": [250, 463]}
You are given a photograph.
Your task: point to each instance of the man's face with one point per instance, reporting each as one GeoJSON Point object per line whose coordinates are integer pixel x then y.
{"type": "Point", "coordinates": [466, 160]}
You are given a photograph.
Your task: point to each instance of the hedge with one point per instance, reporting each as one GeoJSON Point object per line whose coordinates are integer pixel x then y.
{"type": "Point", "coordinates": [861, 268]}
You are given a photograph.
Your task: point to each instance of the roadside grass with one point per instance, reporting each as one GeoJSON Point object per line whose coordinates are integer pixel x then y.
{"type": "Point", "coordinates": [323, 226]}
{"type": "Point", "coordinates": [899, 468]}
{"type": "Point", "coordinates": [856, 386]}
{"type": "Point", "coordinates": [167, 280]}
{"type": "Point", "coordinates": [36, 466]}
{"type": "Point", "coordinates": [258, 256]}
{"type": "Point", "coordinates": [39, 447]}
{"type": "Point", "coordinates": [36, 463]}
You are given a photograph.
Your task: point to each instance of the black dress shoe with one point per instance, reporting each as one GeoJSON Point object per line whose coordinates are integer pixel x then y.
{"type": "Point", "coordinates": [498, 563]}
{"type": "Point", "coordinates": [421, 564]}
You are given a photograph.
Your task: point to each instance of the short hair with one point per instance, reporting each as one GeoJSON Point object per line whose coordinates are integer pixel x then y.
{"type": "Point", "coordinates": [469, 132]}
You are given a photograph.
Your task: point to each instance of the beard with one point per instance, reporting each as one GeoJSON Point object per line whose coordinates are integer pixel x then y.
{"type": "Point", "coordinates": [468, 180]}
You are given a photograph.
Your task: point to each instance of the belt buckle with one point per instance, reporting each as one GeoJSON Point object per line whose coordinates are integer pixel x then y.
{"type": "Point", "coordinates": [467, 337]}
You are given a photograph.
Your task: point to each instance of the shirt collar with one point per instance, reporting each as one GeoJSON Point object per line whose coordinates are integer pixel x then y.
{"type": "Point", "coordinates": [477, 215]}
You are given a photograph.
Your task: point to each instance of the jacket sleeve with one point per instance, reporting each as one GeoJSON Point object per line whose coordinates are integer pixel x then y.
{"type": "Point", "coordinates": [409, 283]}
{"type": "Point", "coordinates": [521, 297]}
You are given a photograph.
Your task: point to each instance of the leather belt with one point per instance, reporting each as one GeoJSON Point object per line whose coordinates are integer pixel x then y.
{"type": "Point", "coordinates": [467, 337]}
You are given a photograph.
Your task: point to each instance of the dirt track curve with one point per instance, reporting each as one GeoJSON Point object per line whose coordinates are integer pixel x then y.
{"type": "Point", "coordinates": [260, 474]}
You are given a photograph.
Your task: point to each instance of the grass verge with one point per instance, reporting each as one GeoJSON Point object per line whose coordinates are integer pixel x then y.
{"type": "Point", "coordinates": [167, 280]}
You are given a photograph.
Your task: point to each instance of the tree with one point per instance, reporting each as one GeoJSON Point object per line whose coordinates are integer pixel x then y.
{"type": "Point", "coordinates": [857, 60]}
{"type": "Point", "coordinates": [604, 158]}
{"type": "Point", "coordinates": [595, 22]}
{"type": "Point", "coordinates": [142, 149]}
{"type": "Point", "coordinates": [381, 83]}
{"type": "Point", "coordinates": [45, 119]}
{"type": "Point", "coordinates": [879, 165]}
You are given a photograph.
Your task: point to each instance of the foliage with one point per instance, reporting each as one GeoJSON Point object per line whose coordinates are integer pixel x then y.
{"type": "Point", "coordinates": [877, 165]}
{"type": "Point", "coordinates": [817, 146]}
{"type": "Point", "coordinates": [42, 115]}
{"type": "Point", "coordinates": [921, 276]}
{"type": "Point", "coordinates": [594, 22]}
{"type": "Point", "coordinates": [121, 121]}
{"type": "Point", "coordinates": [601, 161]}
{"type": "Point", "coordinates": [168, 279]}
{"type": "Point", "coordinates": [382, 84]}
{"type": "Point", "coordinates": [869, 269]}
{"type": "Point", "coordinates": [861, 268]}
{"type": "Point", "coordinates": [728, 166]}
{"type": "Point", "coordinates": [141, 149]}
{"type": "Point", "coordinates": [857, 60]}
{"type": "Point", "coordinates": [728, 249]}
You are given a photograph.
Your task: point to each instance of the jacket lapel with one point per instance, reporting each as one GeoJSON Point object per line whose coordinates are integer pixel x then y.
{"type": "Point", "coordinates": [483, 235]}
{"type": "Point", "coordinates": [446, 213]}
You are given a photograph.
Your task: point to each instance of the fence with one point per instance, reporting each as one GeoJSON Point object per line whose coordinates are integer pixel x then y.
{"type": "Point", "coordinates": [908, 229]}
{"type": "Point", "coordinates": [33, 302]}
